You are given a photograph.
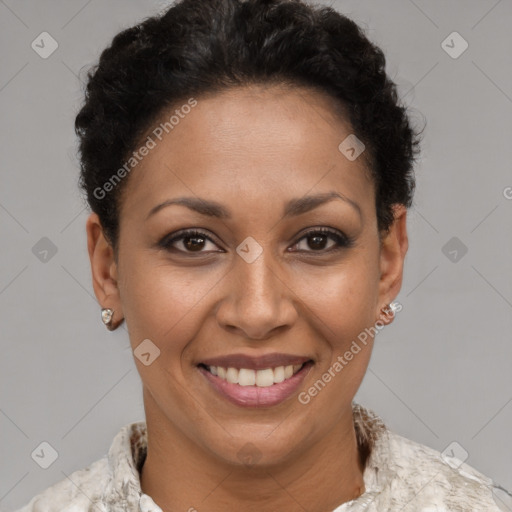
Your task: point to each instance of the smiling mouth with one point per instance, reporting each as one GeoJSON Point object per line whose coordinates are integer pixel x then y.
{"type": "Point", "coordinates": [249, 380]}
{"type": "Point", "coordinates": [249, 377]}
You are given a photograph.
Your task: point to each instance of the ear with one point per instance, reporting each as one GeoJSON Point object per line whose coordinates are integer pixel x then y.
{"type": "Point", "coordinates": [103, 268]}
{"type": "Point", "coordinates": [393, 249]}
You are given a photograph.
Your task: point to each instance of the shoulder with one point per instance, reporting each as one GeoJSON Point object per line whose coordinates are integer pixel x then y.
{"type": "Point", "coordinates": [426, 478]}
{"type": "Point", "coordinates": [77, 492]}
{"type": "Point", "coordinates": [110, 483]}
{"type": "Point", "coordinates": [401, 474]}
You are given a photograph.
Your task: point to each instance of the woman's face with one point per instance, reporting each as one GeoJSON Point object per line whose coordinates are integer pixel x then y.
{"type": "Point", "coordinates": [252, 290]}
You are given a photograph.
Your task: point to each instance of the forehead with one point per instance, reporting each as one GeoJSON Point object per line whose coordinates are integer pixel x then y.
{"type": "Point", "coordinates": [250, 142]}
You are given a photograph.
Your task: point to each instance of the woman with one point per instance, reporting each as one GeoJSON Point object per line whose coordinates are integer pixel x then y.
{"type": "Point", "coordinates": [249, 170]}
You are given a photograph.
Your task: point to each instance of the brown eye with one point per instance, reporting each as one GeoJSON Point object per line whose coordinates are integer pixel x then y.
{"type": "Point", "coordinates": [318, 241]}
{"type": "Point", "coordinates": [192, 241]}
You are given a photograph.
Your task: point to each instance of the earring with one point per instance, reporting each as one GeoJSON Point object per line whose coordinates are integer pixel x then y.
{"type": "Point", "coordinates": [390, 309]}
{"type": "Point", "coordinates": [106, 316]}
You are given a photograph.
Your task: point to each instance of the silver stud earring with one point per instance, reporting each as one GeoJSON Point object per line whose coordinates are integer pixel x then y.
{"type": "Point", "coordinates": [106, 316]}
{"type": "Point", "coordinates": [390, 309]}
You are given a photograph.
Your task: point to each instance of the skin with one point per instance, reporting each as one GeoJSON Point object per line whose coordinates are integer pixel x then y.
{"type": "Point", "coordinates": [251, 149]}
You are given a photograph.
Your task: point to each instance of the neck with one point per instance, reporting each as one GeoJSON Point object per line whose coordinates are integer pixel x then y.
{"type": "Point", "coordinates": [180, 475]}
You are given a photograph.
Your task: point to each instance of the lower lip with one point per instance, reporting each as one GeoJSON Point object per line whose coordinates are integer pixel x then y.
{"type": "Point", "coordinates": [255, 396]}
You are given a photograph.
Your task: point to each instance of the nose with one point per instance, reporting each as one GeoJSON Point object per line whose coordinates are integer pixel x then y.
{"type": "Point", "coordinates": [259, 301]}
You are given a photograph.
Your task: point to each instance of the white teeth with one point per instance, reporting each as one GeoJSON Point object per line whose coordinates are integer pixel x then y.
{"type": "Point", "coordinates": [279, 374]}
{"type": "Point", "coordinates": [261, 378]}
{"type": "Point", "coordinates": [265, 378]}
{"type": "Point", "coordinates": [232, 375]}
{"type": "Point", "coordinates": [246, 377]}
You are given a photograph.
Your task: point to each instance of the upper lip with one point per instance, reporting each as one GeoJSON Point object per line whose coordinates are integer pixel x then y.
{"type": "Point", "coordinates": [255, 363]}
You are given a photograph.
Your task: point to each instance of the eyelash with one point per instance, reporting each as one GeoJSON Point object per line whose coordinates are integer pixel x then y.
{"type": "Point", "coordinates": [342, 241]}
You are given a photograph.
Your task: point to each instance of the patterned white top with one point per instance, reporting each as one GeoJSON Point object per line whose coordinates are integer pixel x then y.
{"type": "Point", "coordinates": [399, 475]}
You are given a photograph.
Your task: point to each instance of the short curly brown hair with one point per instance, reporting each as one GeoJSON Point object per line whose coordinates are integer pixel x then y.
{"type": "Point", "coordinates": [207, 46]}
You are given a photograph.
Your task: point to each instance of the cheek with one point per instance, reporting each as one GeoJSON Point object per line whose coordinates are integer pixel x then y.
{"type": "Point", "coordinates": [165, 304]}
{"type": "Point", "coordinates": [341, 299]}
{"type": "Point", "coordinates": [341, 317]}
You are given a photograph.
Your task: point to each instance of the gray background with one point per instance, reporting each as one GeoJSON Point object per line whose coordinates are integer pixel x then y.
{"type": "Point", "coordinates": [440, 373]}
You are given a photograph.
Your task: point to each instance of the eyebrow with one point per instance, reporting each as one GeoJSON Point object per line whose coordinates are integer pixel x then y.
{"type": "Point", "coordinates": [292, 208]}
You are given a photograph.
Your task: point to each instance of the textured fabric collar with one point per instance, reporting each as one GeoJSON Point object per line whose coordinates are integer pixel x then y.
{"type": "Point", "coordinates": [125, 459]}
